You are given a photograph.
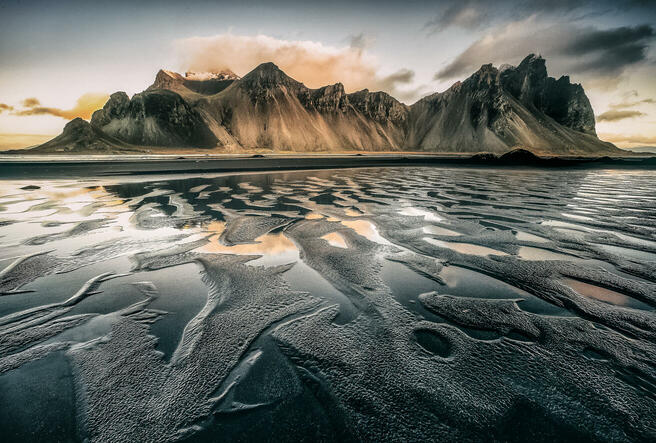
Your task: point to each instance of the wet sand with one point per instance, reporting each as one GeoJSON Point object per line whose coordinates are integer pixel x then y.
{"type": "Point", "coordinates": [13, 166]}
{"type": "Point", "coordinates": [363, 304]}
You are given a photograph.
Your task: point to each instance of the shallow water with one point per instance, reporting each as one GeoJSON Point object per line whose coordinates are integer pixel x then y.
{"type": "Point", "coordinates": [363, 304]}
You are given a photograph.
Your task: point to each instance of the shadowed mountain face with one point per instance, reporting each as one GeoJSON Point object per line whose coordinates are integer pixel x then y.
{"type": "Point", "coordinates": [81, 137]}
{"type": "Point", "coordinates": [496, 109]}
{"type": "Point", "coordinates": [493, 110]}
{"type": "Point", "coordinates": [157, 118]}
{"type": "Point", "coordinates": [561, 100]}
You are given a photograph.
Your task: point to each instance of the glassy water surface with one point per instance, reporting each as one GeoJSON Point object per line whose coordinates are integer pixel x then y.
{"type": "Point", "coordinates": [364, 304]}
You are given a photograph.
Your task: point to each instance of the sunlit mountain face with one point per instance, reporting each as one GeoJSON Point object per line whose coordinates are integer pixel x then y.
{"type": "Point", "coordinates": [60, 63]}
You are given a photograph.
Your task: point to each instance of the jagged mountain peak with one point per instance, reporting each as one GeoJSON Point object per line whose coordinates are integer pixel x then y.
{"type": "Point", "coordinates": [533, 65]}
{"type": "Point", "coordinates": [532, 58]}
{"type": "Point", "coordinates": [267, 75]}
{"type": "Point", "coordinates": [166, 80]}
{"type": "Point", "coordinates": [494, 110]}
{"type": "Point", "coordinates": [334, 89]}
{"type": "Point", "coordinates": [267, 67]}
{"type": "Point", "coordinates": [486, 76]}
{"type": "Point", "coordinates": [77, 125]}
{"type": "Point", "coordinates": [561, 100]}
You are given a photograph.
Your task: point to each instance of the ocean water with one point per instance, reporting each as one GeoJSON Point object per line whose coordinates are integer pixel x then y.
{"type": "Point", "coordinates": [389, 304]}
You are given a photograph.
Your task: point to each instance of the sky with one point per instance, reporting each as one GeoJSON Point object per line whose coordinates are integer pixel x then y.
{"type": "Point", "coordinates": [61, 60]}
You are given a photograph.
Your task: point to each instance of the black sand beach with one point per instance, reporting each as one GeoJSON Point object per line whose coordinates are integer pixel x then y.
{"type": "Point", "coordinates": [14, 166]}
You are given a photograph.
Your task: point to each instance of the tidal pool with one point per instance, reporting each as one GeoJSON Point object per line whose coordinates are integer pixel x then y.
{"type": "Point", "coordinates": [380, 304]}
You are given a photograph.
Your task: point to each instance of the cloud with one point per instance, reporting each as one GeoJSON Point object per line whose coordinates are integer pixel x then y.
{"type": "Point", "coordinates": [84, 107]}
{"type": "Point", "coordinates": [4, 107]}
{"type": "Point", "coordinates": [630, 94]}
{"type": "Point", "coordinates": [609, 50]}
{"type": "Point", "coordinates": [477, 14]}
{"type": "Point", "coordinates": [31, 102]}
{"type": "Point", "coordinates": [624, 105]}
{"type": "Point", "coordinates": [360, 41]}
{"type": "Point", "coordinates": [312, 63]}
{"type": "Point", "coordinates": [613, 115]}
{"type": "Point", "coordinates": [595, 54]}
{"type": "Point", "coordinates": [632, 139]}
{"type": "Point", "coordinates": [463, 14]}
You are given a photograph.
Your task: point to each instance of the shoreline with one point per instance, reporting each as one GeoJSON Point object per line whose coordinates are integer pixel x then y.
{"type": "Point", "coordinates": [50, 166]}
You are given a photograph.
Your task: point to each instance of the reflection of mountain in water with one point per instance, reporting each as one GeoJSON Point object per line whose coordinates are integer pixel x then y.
{"type": "Point", "coordinates": [371, 304]}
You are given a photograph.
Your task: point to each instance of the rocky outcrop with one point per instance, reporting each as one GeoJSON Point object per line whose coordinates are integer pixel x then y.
{"type": "Point", "coordinates": [157, 117]}
{"type": "Point", "coordinates": [494, 110]}
{"type": "Point", "coordinates": [116, 108]}
{"type": "Point", "coordinates": [379, 106]}
{"type": "Point", "coordinates": [561, 100]}
{"type": "Point", "coordinates": [269, 109]}
{"type": "Point", "coordinates": [329, 99]}
{"type": "Point", "coordinates": [80, 137]}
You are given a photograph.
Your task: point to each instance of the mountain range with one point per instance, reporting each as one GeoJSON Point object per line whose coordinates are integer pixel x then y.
{"type": "Point", "coordinates": [494, 110]}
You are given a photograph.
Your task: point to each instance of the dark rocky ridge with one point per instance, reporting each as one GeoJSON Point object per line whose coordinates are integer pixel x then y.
{"type": "Point", "coordinates": [559, 99]}
{"type": "Point", "coordinates": [79, 136]}
{"type": "Point", "coordinates": [494, 110]}
{"type": "Point", "coordinates": [158, 118]}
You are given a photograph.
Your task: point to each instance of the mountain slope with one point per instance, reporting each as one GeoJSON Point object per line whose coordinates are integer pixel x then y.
{"type": "Point", "coordinates": [154, 118]}
{"type": "Point", "coordinates": [494, 110]}
{"type": "Point", "coordinates": [193, 83]}
{"type": "Point", "coordinates": [80, 137]}
{"type": "Point", "coordinates": [268, 109]}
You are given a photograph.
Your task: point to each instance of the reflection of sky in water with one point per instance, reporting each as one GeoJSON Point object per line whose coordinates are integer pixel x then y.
{"type": "Point", "coordinates": [366, 229]}
{"type": "Point", "coordinates": [604, 294]}
{"type": "Point", "coordinates": [277, 248]}
{"type": "Point", "coordinates": [531, 253]}
{"type": "Point", "coordinates": [109, 225]}
{"type": "Point", "coordinates": [335, 239]}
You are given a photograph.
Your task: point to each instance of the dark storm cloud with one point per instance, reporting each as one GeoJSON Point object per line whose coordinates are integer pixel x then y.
{"type": "Point", "coordinates": [473, 14]}
{"type": "Point", "coordinates": [597, 53]}
{"type": "Point", "coordinates": [615, 48]}
{"type": "Point", "coordinates": [403, 76]}
{"type": "Point", "coordinates": [466, 14]}
{"type": "Point", "coordinates": [614, 115]}
{"type": "Point", "coordinates": [396, 82]}
{"type": "Point", "coordinates": [611, 39]}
